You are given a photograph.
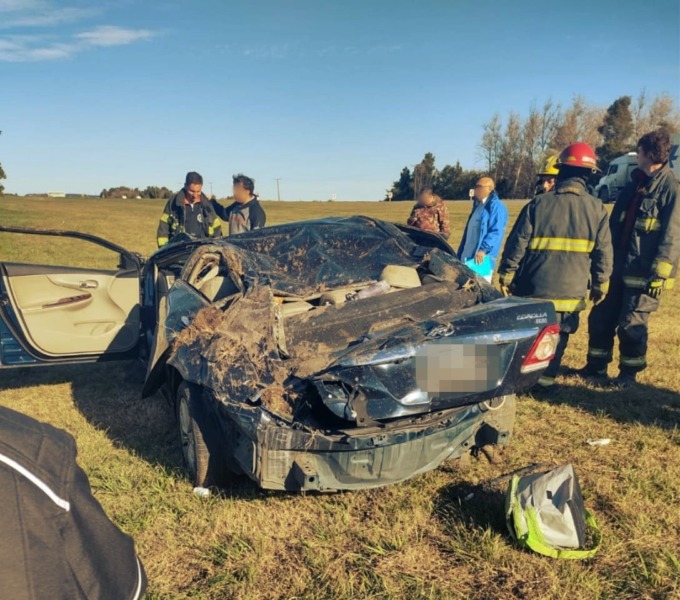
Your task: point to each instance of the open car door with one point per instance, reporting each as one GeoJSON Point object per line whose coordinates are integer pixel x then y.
{"type": "Point", "coordinates": [86, 311]}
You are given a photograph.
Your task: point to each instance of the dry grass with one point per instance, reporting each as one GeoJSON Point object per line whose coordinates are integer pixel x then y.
{"type": "Point", "coordinates": [418, 539]}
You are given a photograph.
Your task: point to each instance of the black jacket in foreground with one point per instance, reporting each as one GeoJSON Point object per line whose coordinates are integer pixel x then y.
{"type": "Point", "coordinates": [56, 541]}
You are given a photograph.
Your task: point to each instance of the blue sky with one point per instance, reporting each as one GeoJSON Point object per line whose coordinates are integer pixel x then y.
{"type": "Point", "coordinates": [331, 97]}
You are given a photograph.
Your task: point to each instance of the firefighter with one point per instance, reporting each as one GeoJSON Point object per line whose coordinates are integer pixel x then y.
{"type": "Point", "coordinates": [645, 225]}
{"type": "Point", "coordinates": [429, 214]}
{"type": "Point", "coordinates": [189, 211]}
{"type": "Point", "coordinates": [559, 243]}
{"type": "Point", "coordinates": [547, 176]}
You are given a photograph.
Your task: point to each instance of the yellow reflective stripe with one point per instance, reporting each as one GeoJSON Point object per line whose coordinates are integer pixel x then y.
{"type": "Point", "coordinates": [647, 224]}
{"type": "Point", "coordinates": [555, 244]}
{"type": "Point", "coordinates": [670, 284]}
{"type": "Point", "coordinates": [165, 217]}
{"type": "Point", "coordinates": [604, 287]}
{"type": "Point", "coordinates": [633, 361]}
{"type": "Point", "coordinates": [569, 304]}
{"type": "Point", "coordinates": [215, 224]}
{"type": "Point", "coordinates": [162, 241]}
{"type": "Point", "coordinates": [598, 353]}
{"type": "Point", "coordinates": [662, 268]}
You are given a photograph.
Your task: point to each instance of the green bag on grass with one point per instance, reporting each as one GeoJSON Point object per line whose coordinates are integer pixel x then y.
{"type": "Point", "coordinates": [545, 513]}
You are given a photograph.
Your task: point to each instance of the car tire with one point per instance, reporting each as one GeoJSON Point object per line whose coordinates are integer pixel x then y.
{"type": "Point", "coordinates": [603, 195]}
{"type": "Point", "coordinates": [200, 439]}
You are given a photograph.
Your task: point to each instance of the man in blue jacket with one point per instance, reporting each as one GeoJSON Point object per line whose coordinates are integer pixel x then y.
{"type": "Point", "coordinates": [485, 227]}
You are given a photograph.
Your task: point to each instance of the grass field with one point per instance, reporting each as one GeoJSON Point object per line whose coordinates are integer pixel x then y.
{"type": "Point", "coordinates": [425, 538]}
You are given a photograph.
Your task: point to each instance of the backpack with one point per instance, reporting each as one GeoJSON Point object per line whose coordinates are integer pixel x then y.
{"type": "Point", "coordinates": [545, 513]}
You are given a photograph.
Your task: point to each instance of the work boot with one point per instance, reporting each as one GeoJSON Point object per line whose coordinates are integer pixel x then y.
{"type": "Point", "coordinates": [623, 381]}
{"type": "Point", "coordinates": [590, 373]}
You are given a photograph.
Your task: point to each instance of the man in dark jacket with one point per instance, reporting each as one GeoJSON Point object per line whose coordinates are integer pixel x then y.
{"type": "Point", "coordinates": [189, 211]}
{"type": "Point", "coordinates": [245, 213]}
{"type": "Point", "coordinates": [645, 225]}
{"type": "Point", "coordinates": [56, 541]}
{"type": "Point", "coordinates": [559, 243]}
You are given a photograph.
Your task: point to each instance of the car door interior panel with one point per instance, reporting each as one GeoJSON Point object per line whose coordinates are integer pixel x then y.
{"type": "Point", "coordinates": [70, 311]}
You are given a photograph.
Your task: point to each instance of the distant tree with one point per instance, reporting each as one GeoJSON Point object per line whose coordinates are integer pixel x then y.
{"type": "Point", "coordinates": [491, 145]}
{"type": "Point", "coordinates": [578, 123]}
{"type": "Point", "coordinates": [450, 182]}
{"type": "Point", "coordinates": [151, 191]}
{"type": "Point", "coordinates": [660, 112]}
{"type": "Point", "coordinates": [2, 175]}
{"type": "Point", "coordinates": [424, 174]}
{"type": "Point", "coordinates": [402, 189]}
{"type": "Point", "coordinates": [616, 130]}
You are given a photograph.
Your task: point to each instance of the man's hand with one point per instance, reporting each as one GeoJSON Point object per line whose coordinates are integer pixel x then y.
{"type": "Point", "coordinates": [597, 295]}
{"type": "Point", "coordinates": [479, 257]}
{"type": "Point", "coordinates": [504, 281]}
{"type": "Point", "coordinates": [655, 286]}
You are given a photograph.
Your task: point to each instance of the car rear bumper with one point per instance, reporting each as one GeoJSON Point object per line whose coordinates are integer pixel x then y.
{"type": "Point", "coordinates": [277, 457]}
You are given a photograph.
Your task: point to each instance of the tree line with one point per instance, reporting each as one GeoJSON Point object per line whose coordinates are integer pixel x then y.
{"type": "Point", "coordinates": [513, 149]}
{"type": "Point", "coordinates": [152, 191]}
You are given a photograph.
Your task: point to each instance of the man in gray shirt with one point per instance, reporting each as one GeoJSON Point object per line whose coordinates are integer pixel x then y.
{"type": "Point", "coordinates": [245, 213]}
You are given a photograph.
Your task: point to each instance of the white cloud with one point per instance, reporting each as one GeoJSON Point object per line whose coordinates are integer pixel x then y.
{"type": "Point", "coordinates": [30, 48]}
{"type": "Point", "coordinates": [109, 35]}
{"type": "Point", "coordinates": [53, 43]}
{"type": "Point", "coordinates": [47, 17]}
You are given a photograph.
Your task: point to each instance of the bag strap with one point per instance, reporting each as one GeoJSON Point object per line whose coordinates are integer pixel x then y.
{"type": "Point", "coordinates": [524, 528]}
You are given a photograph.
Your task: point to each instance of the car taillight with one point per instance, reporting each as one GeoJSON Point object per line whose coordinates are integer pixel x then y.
{"type": "Point", "coordinates": [543, 350]}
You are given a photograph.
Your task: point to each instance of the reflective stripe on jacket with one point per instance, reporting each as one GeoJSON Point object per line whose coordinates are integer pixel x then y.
{"type": "Point", "coordinates": [172, 220]}
{"type": "Point", "coordinates": [559, 243]}
{"type": "Point", "coordinates": [653, 247]}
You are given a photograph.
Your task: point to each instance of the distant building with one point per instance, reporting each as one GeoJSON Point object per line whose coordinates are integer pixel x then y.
{"type": "Point", "coordinates": [56, 194]}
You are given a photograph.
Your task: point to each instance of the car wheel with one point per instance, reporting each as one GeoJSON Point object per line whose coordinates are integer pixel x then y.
{"type": "Point", "coordinates": [199, 436]}
{"type": "Point", "coordinates": [604, 195]}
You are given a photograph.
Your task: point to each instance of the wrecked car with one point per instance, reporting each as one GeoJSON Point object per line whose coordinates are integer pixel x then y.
{"type": "Point", "coordinates": [330, 354]}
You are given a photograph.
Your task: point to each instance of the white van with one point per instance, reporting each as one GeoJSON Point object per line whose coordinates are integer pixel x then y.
{"type": "Point", "coordinates": [618, 174]}
{"type": "Point", "coordinates": [620, 169]}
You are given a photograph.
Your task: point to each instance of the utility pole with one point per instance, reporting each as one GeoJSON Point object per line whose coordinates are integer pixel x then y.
{"type": "Point", "coordinates": [278, 190]}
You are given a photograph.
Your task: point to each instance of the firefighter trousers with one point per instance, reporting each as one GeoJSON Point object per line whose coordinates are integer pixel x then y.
{"type": "Point", "coordinates": [568, 322]}
{"type": "Point", "coordinates": [624, 313]}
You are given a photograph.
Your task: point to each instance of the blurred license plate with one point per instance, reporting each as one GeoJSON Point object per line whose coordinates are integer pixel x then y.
{"type": "Point", "coordinates": [445, 368]}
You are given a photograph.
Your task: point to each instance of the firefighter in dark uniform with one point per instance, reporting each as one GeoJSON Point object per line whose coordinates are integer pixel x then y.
{"type": "Point", "coordinates": [645, 225]}
{"type": "Point", "coordinates": [189, 211]}
{"type": "Point", "coordinates": [559, 247]}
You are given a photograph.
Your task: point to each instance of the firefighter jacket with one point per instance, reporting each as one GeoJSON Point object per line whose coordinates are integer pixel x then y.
{"type": "Point", "coordinates": [430, 218]}
{"type": "Point", "coordinates": [198, 220]}
{"type": "Point", "coordinates": [559, 243]}
{"type": "Point", "coordinates": [645, 225]}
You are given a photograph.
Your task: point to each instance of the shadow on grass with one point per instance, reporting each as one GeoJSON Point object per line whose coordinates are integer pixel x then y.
{"type": "Point", "coordinates": [462, 505]}
{"type": "Point", "coordinates": [108, 395]}
{"type": "Point", "coordinates": [641, 403]}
